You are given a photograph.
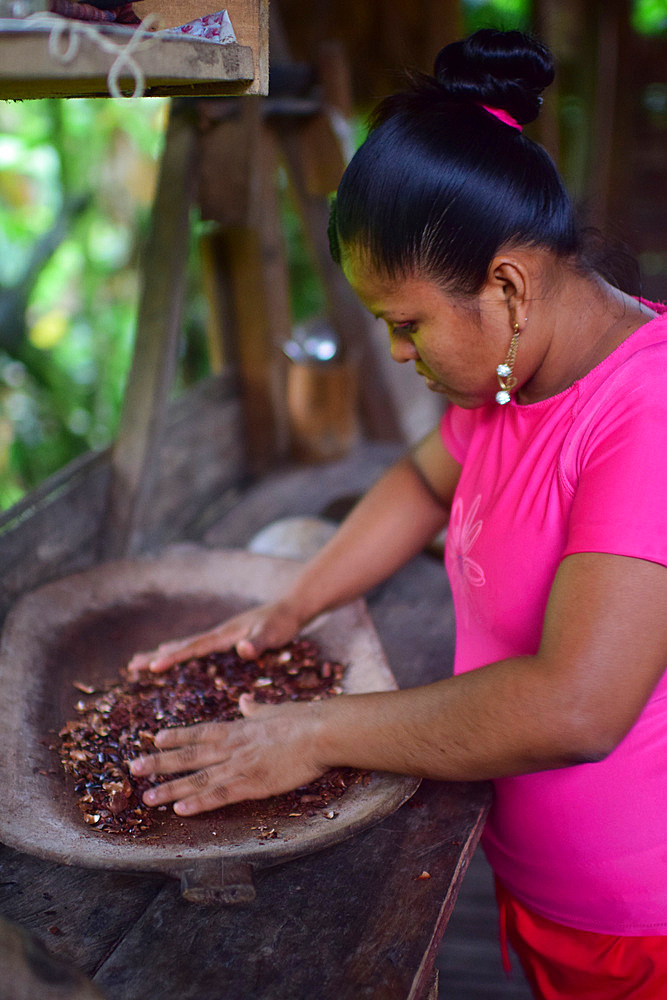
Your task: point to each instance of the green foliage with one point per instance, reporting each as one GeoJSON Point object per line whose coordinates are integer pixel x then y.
{"type": "Point", "coordinates": [76, 185]}
{"type": "Point", "coordinates": [649, 17]}
{"type": "Point", "coordinates": [504, 14]}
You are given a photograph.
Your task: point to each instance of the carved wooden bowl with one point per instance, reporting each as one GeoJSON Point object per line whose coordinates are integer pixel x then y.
{"type": "Point", "coordinates": [83, 628]}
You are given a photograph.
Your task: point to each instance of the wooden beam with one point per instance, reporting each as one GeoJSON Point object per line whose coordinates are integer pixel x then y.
{"type": "Point", "coordinates": [186, 66]}
{"type": "Point", "coordinates": [249, 18]}
{"type": "Point", "coordinates": [135, 454]}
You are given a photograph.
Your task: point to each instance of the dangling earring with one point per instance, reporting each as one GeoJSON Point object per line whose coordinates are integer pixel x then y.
{"type": "Point", "coordinates": [506, 379]}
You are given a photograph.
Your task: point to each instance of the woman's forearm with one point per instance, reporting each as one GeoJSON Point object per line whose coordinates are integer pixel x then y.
{"type": "Point", "coordinates": [496, 721]}
{"type": "Point", "coordinates": [399, 515]}
{"type": "Point", "coordinates": [480, 725]}
{"type": "Point", "coordinates": [390, 525]}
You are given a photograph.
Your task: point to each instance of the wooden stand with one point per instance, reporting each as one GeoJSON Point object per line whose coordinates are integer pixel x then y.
{"type": "Point", "coordinates": [233, 151]}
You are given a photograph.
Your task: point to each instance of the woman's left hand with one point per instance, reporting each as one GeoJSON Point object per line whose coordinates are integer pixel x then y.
{"type": "Point", "coordinates": [268, 752]}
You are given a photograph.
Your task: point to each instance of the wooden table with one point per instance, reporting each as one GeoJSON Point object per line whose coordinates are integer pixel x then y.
{"type": "Point", "coordinates": [352, 921]}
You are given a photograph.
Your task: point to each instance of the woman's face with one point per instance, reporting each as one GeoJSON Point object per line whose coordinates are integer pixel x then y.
{"type": "Point", "coordinates": [455, 344]}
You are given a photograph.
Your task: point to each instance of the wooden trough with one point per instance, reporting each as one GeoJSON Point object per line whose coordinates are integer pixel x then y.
{"type": "Point", "coordinates": [84, 628]}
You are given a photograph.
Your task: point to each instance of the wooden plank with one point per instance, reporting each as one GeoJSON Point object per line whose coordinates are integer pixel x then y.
{"type": "Point", "coordinates": [250, 21]}
{"type": "Point", "coordinates": [431, 989]}
{"type": "Point", "coordinates": [229, 143]}
{"type": "Point", "coordinates": [168, 65]}
{"type": "Point", "coordinates": [135, 453]}
{"type": "Point", "coordinates": [348, 923]}
{"type": "Point", "coordinates": [251, 26]}
{"type": "Point", "coordinates": [219, 322]}
{"type": "Point", "coordinates": [227, 169]}
{"type": "Point", "coordinates": [79, 915]}
{"type": "Point", "coordinates": [352, 922]}
{"type": "Point", "coordinates": [256, 264]}
{"type": "Point", "coordinates": [321, 154]}
{"type": "Point", "coordinates": [335, 78]}
{"type": "Point", "coordinates": [203, 459]}
{"type": "Point", "coordinates": [55, 529]}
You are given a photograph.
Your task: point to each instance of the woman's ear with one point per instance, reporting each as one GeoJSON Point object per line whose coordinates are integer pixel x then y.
{"type": "Point", "coordinates": [510, 276]}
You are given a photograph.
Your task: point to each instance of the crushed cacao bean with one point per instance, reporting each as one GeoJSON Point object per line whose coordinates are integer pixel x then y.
{"type": "Point", "coordinates": [119, 723]}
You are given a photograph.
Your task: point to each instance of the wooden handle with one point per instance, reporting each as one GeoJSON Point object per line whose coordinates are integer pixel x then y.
{"type": "Point", "coordinates": [218, 882]}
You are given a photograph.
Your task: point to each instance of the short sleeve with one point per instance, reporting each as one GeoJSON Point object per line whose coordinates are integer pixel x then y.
{"type": "Point", "coordinates": [456, 429]}
{"type": "Point", "coordinates": [615, 463]}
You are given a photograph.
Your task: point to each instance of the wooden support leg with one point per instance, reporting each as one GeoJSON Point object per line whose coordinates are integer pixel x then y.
{"type": "Point", "coordinates": [247, 264]}
{"type": "Point", "coordinates": [252, 257]}
{"type": "Point", "coordinates": [135, 454]}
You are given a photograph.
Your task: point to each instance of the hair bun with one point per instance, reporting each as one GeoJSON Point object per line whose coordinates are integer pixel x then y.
{"type": "Point", "coordinates": [503, 69]}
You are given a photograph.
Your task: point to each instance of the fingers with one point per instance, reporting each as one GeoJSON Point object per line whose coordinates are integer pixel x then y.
{"type": "Point", "coordinates": [251, 708]}
{"type": "Point", "coordinates": [165, 656]}
{"type": "Point", "coordinates": [215, 779]}
{"type": "Point", "coordinates": [247, 650]}
{"type": "Point", "coordinates": [201, 732]}
{"type": "Point", "coordinates": [189, 757]}
{"type": "Point", "coordinates": [185, 748]}
{"type": "Point", "coordinates": [251, 633]}
{"type": "Point", "coordinates": [199, 792]}
{"type": "Point", "coordinates": [168, 654]}
{"type": "Point", "coordinates": [188, 749]}
{"type": "Point", "coordinates": [218, 763]}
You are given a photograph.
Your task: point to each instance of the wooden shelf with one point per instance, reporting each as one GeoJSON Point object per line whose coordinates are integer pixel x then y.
{"type": "Point", "coordinates": [171, 66]}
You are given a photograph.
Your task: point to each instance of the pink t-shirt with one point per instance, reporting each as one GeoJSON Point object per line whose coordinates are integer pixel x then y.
{"type": "Point", "coordinates": [584, 471]}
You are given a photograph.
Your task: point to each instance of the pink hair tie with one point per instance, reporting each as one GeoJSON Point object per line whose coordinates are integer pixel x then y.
{"type": "Point", "coordinates": [503, 116]}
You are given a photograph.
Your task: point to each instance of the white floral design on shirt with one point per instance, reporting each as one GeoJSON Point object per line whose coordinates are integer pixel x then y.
{"type": "Point", "coordinates": [461, 536]}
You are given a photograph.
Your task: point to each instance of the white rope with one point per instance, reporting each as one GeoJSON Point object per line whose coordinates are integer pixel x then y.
{"type": "Point", "coordinates": [71, 31]}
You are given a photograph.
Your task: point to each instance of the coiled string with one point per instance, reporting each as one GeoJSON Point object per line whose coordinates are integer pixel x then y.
{"type": "Point", "coordinates": [65, 40]}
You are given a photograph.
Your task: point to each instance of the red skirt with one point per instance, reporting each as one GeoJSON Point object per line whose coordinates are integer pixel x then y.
{"type": "Point", "coordinates": [562, 963]}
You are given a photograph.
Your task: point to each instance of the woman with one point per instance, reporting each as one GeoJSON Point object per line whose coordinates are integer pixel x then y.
{"type": "Point", "coordinates": [550, 469]}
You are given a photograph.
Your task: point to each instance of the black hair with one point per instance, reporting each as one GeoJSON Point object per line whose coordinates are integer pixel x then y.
{"type": "Point", "coordinates": [440, 184]}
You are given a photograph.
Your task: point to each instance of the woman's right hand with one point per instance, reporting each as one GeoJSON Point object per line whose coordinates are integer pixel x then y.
{"type": "Point", "coordinates": [251, 632]}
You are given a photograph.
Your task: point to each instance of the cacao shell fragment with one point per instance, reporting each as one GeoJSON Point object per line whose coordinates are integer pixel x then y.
{"type": "Point", "coordinates": [117, 724]}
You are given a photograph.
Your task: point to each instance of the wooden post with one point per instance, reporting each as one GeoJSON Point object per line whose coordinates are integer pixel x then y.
{"type": "Point", "coordinates": [315, 151]}
{"type": "Point", "coordinates": [247, 258]}
{"type": "Point", "coordinates": [609, 27]}
{"type": "Point", "coordinates": [135, 454]}
{"type": "Point", "coordinates": [346, 315]}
